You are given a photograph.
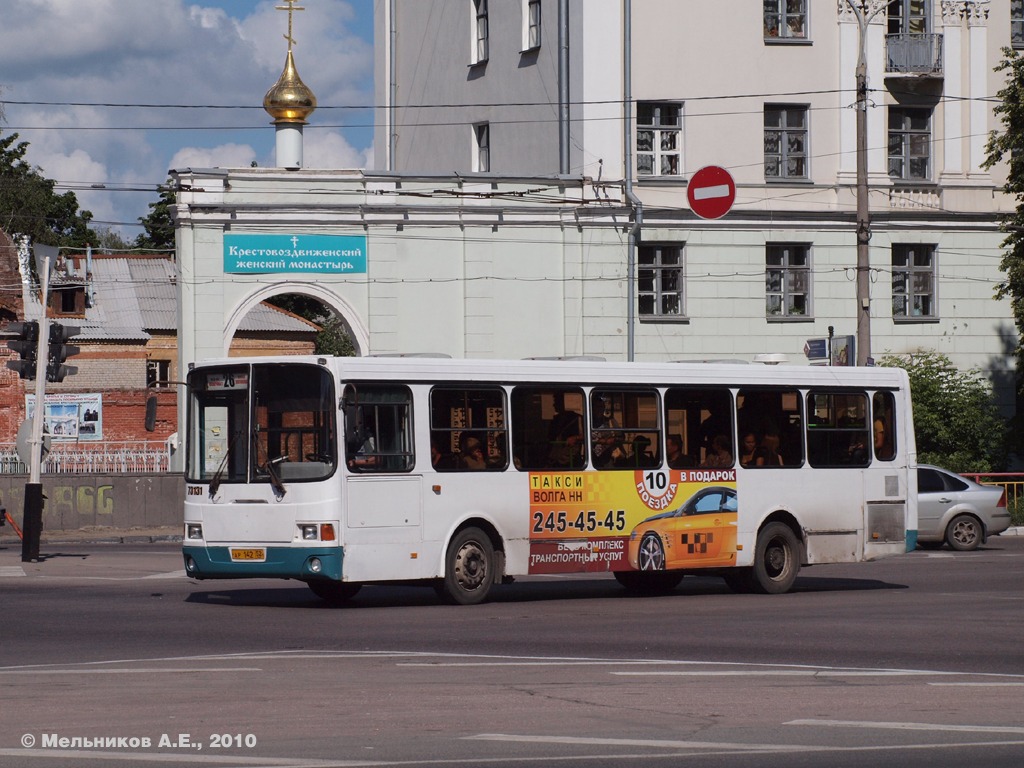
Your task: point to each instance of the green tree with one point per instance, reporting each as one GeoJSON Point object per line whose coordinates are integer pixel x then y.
{"type": "Point", "coordinates": [111, 241]}
{"type": "Point", "coordinates": [30, 206]}
{"type": "Point", "coordinates": [333, 339]}
{"type": "Point", "coordinates": [1008, 145]}
{"type": "Point", "coordinates": [157, 225]}
{"type": "Point", "coordinates": [956, 421]}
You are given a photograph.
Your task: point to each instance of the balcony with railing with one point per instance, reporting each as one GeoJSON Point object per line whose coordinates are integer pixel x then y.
{"type": "Point", "coordinates": [913, 55]}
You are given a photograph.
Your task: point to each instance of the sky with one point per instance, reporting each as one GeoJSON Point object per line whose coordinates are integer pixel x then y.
{"type": "Point", "coordinates": [111, 94]}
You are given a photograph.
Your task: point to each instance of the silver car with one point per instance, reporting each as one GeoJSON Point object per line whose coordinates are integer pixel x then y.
{"type": "Point", "coordinates": [952, 509]}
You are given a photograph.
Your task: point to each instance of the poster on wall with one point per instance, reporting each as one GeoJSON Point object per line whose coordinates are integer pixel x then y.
{"type": "Point", "coordinates": [70, 416]}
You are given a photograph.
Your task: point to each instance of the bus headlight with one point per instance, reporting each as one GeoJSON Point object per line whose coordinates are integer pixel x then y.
{"type": "Point", "coordinates": [315, 565]}
{"type": "Point", "coordinates": [308, 532]}
{"type": "Point", "coordinates": [190, 564]}
{"type": "Point", "coordinates": [193, 531]}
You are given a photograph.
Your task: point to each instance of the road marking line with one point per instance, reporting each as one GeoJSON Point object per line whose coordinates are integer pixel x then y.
{"type": "Point", "coordinates": [169, 575]}
{"type": "Point", "coordinates": [167, 757]}
{"type": "Point", "coordinates": [911, 726]}
{"type": "Point", "coordinates": [718, 748]}
{"type": "Point", "coordinates": [785, 673]}
{"type": "Point", "coordinates": [980, 685]}
{"type": "Point", "coordinates": [660, 743]}
{"type": "Point", "coordinates": [183, 670]}
{"type": "Point", "coordinates": [11, 571]}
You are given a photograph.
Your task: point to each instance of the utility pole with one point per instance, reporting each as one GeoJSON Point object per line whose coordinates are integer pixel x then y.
{"type": "Point", "coordinates": [864, 11]}
{"type": "Point", "coordinates": [32, 522]}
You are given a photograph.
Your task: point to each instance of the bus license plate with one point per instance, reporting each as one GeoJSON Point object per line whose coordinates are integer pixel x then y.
{"type": "Point", "coordinates": [249, 555]}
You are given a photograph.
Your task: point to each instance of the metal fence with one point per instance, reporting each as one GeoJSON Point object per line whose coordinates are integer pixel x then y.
{"type": "Point", "coordinates": [141, 457]}
{"type": "Point", "coordinates": [1011, 482]}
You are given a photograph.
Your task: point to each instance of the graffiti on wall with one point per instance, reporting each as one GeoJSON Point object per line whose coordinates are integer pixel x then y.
{"type": "Point", "coordinates": [85, 499]}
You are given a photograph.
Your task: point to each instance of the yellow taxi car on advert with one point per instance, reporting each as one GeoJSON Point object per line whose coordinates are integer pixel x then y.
{"type": "Point", "coordinates": [700, 533]}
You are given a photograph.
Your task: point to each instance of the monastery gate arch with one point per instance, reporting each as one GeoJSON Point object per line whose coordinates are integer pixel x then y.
{"type": "Point", "coordinates": [350, 318]}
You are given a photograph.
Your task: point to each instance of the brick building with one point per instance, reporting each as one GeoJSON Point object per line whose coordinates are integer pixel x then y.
{"type": "Point", "coordinates": [126, 307]}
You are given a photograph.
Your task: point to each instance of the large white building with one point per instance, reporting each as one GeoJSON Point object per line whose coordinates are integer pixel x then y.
{"type": "Point", "coordinates": [531, 195]}
{"type": "Point", "coordinates": [642, 94]}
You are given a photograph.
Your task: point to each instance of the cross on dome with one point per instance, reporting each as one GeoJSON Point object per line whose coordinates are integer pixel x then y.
{"type": "Point", "coordinates": [290, 8]}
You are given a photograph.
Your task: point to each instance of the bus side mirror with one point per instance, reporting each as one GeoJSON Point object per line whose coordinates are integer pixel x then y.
{"type": "Point", "coordinates": [151, 413]}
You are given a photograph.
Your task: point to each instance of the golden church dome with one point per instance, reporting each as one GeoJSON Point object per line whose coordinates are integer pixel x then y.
{"type": "Point", "coordinates": [289, 100]}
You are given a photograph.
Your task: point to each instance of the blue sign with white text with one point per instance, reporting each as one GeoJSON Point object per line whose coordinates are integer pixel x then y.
{"type": "Point", "coordinates": [323, 254]}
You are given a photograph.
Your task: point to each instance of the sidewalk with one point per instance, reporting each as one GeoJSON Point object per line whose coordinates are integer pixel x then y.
{"type": "Point", "coordinates": [167, 535]}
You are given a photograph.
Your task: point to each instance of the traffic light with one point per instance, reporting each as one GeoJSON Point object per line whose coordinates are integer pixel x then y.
{"type": "Point", "coordinates": [61, 351]}
{"type": "Point", "coordinates": [25, 345]}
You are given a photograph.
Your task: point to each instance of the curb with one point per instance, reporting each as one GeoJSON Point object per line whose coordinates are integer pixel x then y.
{"type": "Point", "coordinates": [67, 538]}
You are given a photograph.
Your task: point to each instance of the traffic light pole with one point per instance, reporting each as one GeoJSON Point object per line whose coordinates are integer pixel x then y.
{"type": "Point", "coordinates": [32, 522]}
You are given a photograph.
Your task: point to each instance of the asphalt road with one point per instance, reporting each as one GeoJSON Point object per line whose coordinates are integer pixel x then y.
{"type": "Point", "coordinates": [109, 655]}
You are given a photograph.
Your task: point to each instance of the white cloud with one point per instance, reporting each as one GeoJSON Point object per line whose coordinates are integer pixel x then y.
{"type": "Point", "coordinates": [221, 156]}
{"type": "Point", "coordinates": [329, 149]}
{"type": "Point", "coordinates": [170, 52]}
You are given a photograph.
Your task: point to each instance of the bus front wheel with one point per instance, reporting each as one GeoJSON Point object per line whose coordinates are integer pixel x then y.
{"type": "Point", "coordinates": [469, 568]}
{"type": "Point", "coordinates": [776, 559]}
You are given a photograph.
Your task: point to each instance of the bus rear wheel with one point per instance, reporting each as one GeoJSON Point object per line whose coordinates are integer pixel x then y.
{"type": "Point", "coordinates": [469, 568]}
{"type": "Point", "coordinates": [334, 592]}
{"type": "Point", "coordinates": [776, 559]}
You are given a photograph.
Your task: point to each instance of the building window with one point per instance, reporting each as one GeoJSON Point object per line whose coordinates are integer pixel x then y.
{"type": "Point", "coordinates": [658, 140]}
{"type": "Point", "coordinates": [1017, 23]}
{"type": "Point", "coordinates": [660, 281]}
{"type": "Point", "coordinates": [785, 18]}
{"type": "Point", "coordinates": [531, 25]}
{"type": "Point", "coordinates": [913, 281]}
{"type": "Point", "coordinates": [788, 281]}
{"type": "Point", "coordinates": [785, 142]}
{"type": "Point", "coordinates": [482, 147]}
{"type": "Point", "coordinates": [481, 36]}
{"type": "Point", "coordinates": [67, 299]}
{"type": "Point", "coordinates": [908, 17]}
{"type": "Point", "coordinates": [909, 143]}
{"type": "Point", "coordinates": [158, 373]}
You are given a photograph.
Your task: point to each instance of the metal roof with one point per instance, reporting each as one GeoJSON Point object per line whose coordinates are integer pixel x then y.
{"type": "Point", "coordinates": [134, 296]}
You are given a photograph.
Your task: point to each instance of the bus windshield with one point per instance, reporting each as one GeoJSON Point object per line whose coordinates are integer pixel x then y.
{"type": "Point", "coordinates": [261, 423]}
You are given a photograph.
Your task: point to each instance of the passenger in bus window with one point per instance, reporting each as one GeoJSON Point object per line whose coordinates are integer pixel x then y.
{"type": "Point", "coordinates": [638, 455]}
{"type": "Point", "coordinates": [856, 453]}
{"type": "Point", "coordinates": [473, 454]}
{"type": "Point", "coordinates": [767, 453]}
{"type": "Point", "coordinates": [720, 455]}
{"type": "Point", "coordinates": [440, 459]}
{"type": "Point", "coordinates": [366, 455]}
{"type": "Point", "coordinates": [748, 454]}
{"type": "Point", "coordinates": [883, 441]}
{"type": "Point", "coordinates": [564, 437]}
{"type": "Point", "coordinates": [674, 456]}
{"type": "Point", "coordinates": [605, 443]}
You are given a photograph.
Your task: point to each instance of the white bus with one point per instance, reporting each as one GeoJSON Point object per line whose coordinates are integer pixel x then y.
{"type": "Point", "coordinates": [463, 474]}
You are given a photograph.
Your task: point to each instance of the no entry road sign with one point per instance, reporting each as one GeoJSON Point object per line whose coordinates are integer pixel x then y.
{"type": "Point", "coordinates": [711, 192]}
